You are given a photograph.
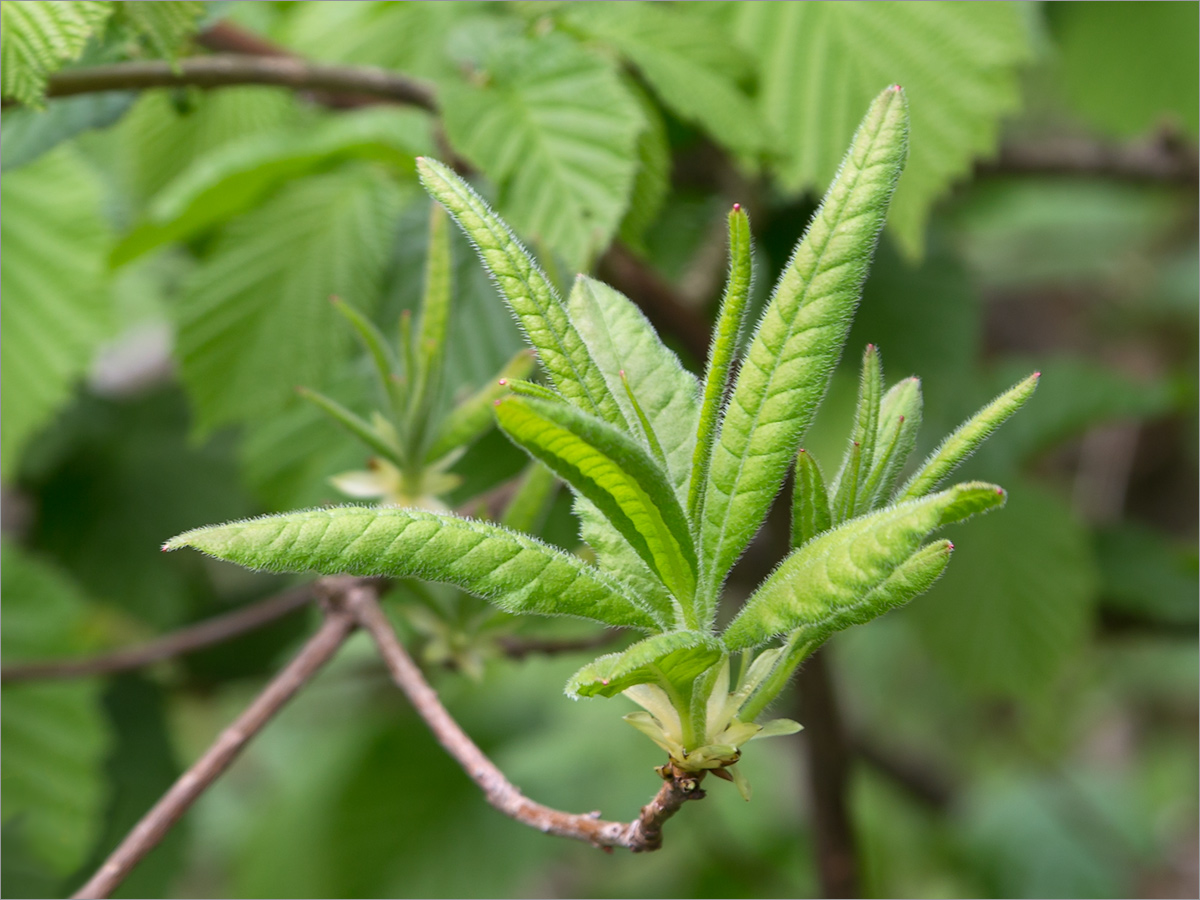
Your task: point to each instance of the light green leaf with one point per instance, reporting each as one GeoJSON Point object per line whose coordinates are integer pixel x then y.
{"type": "Point", "coordinates": [255, 318]}
{"type": "Point", "coordinates": [38, 37]}
{"type": "Point", "coordinates": [820, 63]}
{"type": "Point", "coordinates": [516, 572]}
{"type": "Point", "coordinates": [686, 59]}
{"type": "Point", "coordinates": [832, 574]}
{"type": "Point", "coordinates": [849, 488]}
{"type": "Point", "coordinates": [1017, 605]}
{"type": "Point", "coordinates": [55, 286]}
{"type": "Point", "coordinates": [467, 422]}
{"type": "Point", "coordinates": [617, 476]}
{"type": "Point", "coordinates": [55, 734]}
{"type": "Point", "coordinates": [798, 340]}
{"type": "Point", "coordinates": [965, 439]}
{"type": "Point", "coordinates": [720, 353]}
{"type": "Point", "coordinates": [810, 502]}
{"type": "Point", "coordinates": [158, 141]}
{"type": "Point", "coordinates": [381, 443]}
{"type": "Point", "coordinates": [620, 339]}
{"type": "Point", "coordinates": [538, 307]}
{"type": "Point", "coordinates": [674, 659]}
{"type": "Point", "coordinates": [615, 555]}
{"type": "Point", "coordinates": [899, 422]}
{"type": "Point", "coordinates": [240, 175]}
{"type": "Point", "coordinates": [166, 24]}
{"type": "Point", "coordinates": [557, 132]}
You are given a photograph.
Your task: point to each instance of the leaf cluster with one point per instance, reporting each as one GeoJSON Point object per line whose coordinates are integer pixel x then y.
{"type": "Point", "coordinates": [672, 479]}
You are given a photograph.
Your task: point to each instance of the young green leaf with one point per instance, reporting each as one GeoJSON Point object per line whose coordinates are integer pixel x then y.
{"type": "Point", "coordinates": [611, 470]}
{"type": "Point", "coordinates": [849, 496]}
{"type": "Point", "coordinates": [530, 295]}
{"type": "Point", "coordinates": [516, 572]}
{"type": "Point", "coordinates": [798, 340]}
{"type": "Point", "coordinates": [810, 502]}
{"type": "Point", "coordinates": [354, 424]}
{"type": "Point", "coordinates": [430, 346]}
{"type": "Point", "coordinates": [720, 354]}
{"type": "Point", "coordinates": [899, 422]}
{"type": "Point", "coordinates": [674, 659]}
{"type": "Point", "coordinates": [377, 348]}
{"type": "Point", "coordinates": [465, 423]}
{"type": "Point", "coordinates": [834, 572]}
{"type": "Point", "coordinates": [615, 555]}
{"type": "Point", "coordinates": [965, 439]}
{"type": "Point", "coordinates": [620, 339]}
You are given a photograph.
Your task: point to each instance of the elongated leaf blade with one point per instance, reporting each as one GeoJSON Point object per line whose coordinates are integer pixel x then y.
{"type": "Point", "coordinates": [529, 294]}
{"type": "Point", "coordinates": [516, 572]}
{"type": "Point", "coordinates": [832, 574]}
{"type": "Point", "coordinates": [468, 421]}
{"type": "Point", "coordinates": [810, 502]}
{"type": "Point", "coordinates": [849, 498]}
{"type": "Point", "coordinates": [622, 340]}
{"type": "Point", "coordinates": [799, 338]}
{"type": "Point", "coordinates": [720, 354]}
{"type": "Point", "coordinates": [899, 422]}
{"type": "Point", "coordinates": [675, 658]}
{"type": "Point", "coordinates": [965, 439]}
{"type": "Point", "coordinates": [613, 472]}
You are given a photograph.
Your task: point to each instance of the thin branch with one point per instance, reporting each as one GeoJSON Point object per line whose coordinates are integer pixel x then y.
{"type": "Point", "coordinates": [178, 643]}
{"type": "Point", "coordinates": [146, 835]}
{"type": "Point", "coordinates": [515, 647]}
{"type": "Point", "coordinates": [235, 69]}
{"type": "Point", "coordinates": [642, 834]}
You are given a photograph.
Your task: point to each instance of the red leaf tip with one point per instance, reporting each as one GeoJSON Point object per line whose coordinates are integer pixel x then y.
{"type": "Point", "coordinates": [895, 89]}
{"type": "Point", "coordinates": [1037, 374]}
{"type": "Point", "coordinates": [497, 402]}
{"type": "Point", "coordinates": [737, 207]}
{"type": "Point", "coordinates": [949, 545]}
{"type": "Point", "coordinates": [502, 382]}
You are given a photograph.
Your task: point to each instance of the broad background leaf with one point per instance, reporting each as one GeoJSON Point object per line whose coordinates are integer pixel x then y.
{"type": "Point", "coordinates": [555, 129]}
{"type": "Point", "coordinates": [38, 37]}
{"type": "Point", "coordinates": [55, 287]}
{"type": "Point", "coordinates": [255, 318]}
{"type": "Point", "coordinates": [821, 63]}
{"type": "Point", "coordinates": [55, 734]}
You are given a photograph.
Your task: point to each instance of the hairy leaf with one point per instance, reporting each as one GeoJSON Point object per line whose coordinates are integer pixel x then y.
{"type": "Point", "coordinates": [55, 734]}
{"type": "Point", "coordinates": [516, 572]}
{"type": "Point", "coordinates": [675, 658]}
{"type": "Point", "coordinates": [616, 475]}
{"type": "Point", "coordinates": [55, 288]}
{"type": "Point", "coordinates": [799, 338]}
{"type": "Point", "coordinates": [541, 312]}
{"type": "Point", "coordinates": [899, 422]}
{"type": "Point", "coordinates": [556, 130]}
{"type": "Point", "coordinates": [810, 502]}
{"type": "Point", "coordinates": [819, 63]}
{"type": "Point", "coordinates": [849, 488]}
{"type": "Point", "coordinates": [255, 318]}
{"type": "Point", "coordinates": [965, 439]}
{"type": "Point", "coordinates": [616, 556]}
{"type": "Point", "coordinates": [621, 340]}
{"type": "Point", "coordinates": [720, 353]}
{"type": "Point", "coordinates": [38, 37]}
{"type": "Point", "coordinates": [834, 572]}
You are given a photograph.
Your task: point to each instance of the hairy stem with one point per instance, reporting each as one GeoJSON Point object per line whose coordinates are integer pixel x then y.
{"type": "Point", "coordinates": [642, 834]}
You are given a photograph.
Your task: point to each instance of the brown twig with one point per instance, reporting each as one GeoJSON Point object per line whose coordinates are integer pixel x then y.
{"type": "Point", "coordinates": [186, 640]}
{"type": "Point", "coordinates": [518, 647]}
{"type": "Point", "coordinates": [828, 777]}
{"type": "Point", "coordinates": [1164, 158]}
{"type": "Point", "coordinates": [642, 834]}
{"type": "Point", "coordinates": [319, 649]}
{"type": "Point", "coordinates": [235, 69]}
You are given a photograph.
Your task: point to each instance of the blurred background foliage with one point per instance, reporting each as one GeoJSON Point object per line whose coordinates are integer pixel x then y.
{"type": "Point", "coordinates": [1027, 729]}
